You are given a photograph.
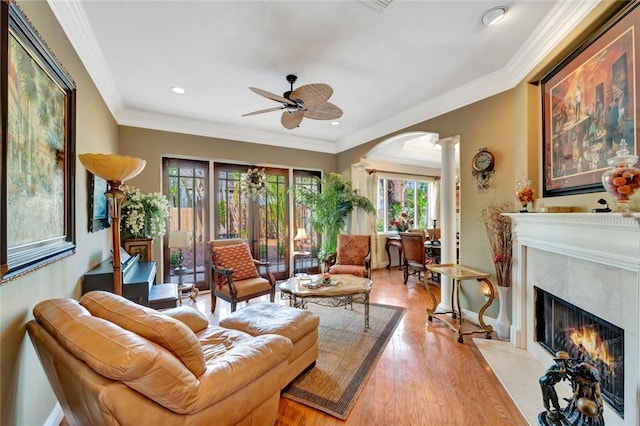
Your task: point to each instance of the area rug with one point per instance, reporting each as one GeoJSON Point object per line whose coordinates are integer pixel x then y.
{"type": "Point", "coordinates": [346, 356]}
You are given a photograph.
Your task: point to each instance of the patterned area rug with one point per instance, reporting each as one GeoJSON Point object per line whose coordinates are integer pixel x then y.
{"type": "Point", "coordinates": [347, 355]}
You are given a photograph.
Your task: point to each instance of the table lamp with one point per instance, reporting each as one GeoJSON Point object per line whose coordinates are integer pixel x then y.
{"type": "Point", "coordinates": [180, 240]}
{"type": "Point", "coordinates": [300, 237]}
{"type": "Point", "coordinates": [115, 169]}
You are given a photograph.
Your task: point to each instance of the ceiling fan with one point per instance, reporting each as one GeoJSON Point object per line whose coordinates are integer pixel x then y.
{"type": "Point", "coordinates": [308, 101]}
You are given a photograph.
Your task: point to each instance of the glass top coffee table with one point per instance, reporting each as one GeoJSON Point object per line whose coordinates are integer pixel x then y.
{"type": "Point", "coordinates": [341, 292]}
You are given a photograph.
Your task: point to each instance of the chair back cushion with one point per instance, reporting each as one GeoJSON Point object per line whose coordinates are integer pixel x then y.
{"type": "Point", "coordinates": [353, 249]}
{"type": "Point", "coordinates": [237, 257]}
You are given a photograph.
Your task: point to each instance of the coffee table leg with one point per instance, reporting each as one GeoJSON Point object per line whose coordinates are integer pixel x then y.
{"type": "Point", "coordinates": [366, 311]}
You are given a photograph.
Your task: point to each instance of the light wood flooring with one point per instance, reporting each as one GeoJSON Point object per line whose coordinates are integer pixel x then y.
{"type": "Point", "coordinates": [424, 376]}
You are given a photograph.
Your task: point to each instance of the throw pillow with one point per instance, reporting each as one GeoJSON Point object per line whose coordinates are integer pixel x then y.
{"type": "Point", "coordinates": [237, 257]}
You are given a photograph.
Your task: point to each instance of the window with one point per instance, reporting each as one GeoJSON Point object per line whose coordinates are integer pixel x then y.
{"type": "Point", "coordinates": [400, 197]}
{"type": "Point", "coordinates": [311, 181]}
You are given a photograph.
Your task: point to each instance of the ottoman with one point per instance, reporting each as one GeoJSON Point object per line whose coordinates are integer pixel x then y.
{"type": "Point", "coordinates": [301, 327]}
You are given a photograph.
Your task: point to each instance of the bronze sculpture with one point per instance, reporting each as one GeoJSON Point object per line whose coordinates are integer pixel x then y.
{"type": "Point", "coordinates": [584, 407]}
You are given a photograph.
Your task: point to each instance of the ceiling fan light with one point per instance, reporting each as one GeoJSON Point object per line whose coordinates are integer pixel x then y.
{"type": "Point", "coordinates": [494, 15]}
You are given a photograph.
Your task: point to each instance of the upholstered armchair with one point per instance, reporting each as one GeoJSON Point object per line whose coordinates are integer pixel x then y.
{"type": "Point", "coordinates": [233, 273]}
{"type": "Point", "coordinates": [353, 256]}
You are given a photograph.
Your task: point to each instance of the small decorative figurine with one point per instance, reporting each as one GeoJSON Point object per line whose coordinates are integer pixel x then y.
{"type": "Point", "coordinates": [585, 405]}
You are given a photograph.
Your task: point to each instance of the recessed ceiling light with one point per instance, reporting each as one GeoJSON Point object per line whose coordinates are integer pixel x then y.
{"type": "Point", "coordinates": [178, 90]}
{"type": "Point", "coordinates": [492, 16]}
{"type": "Point", "coordinates": [335, 123]}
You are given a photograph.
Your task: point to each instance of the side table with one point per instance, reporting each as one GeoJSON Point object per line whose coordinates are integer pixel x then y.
{"type": "Point", "coordinates": [460, 273]}
{"type": "Point", "coordinates": [299, 257]}
{"type": "Point", "coordinates": [188, 290]}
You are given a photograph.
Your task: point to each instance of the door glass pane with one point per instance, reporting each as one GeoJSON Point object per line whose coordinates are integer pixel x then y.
{"type": "Point", "coordinates": [263, 221]}
{"type": "Point", "coordinates": [185, 186]}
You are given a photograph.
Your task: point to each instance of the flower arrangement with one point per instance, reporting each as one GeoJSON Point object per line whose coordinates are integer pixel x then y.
{"type": "Point", "coordinates": [255, 183]}
{"type": "Point", "coordinates": [500, 237]}
{"type": "Point", "coordinates": [143, 215]}
{"type": "Point", "coordinates": [402, 223]}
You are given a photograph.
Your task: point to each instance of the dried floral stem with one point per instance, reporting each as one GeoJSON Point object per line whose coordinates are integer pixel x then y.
{"type": "Point", "coordinates": [500, 237]}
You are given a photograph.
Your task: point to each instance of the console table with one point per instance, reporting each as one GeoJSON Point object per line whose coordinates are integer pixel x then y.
{"type": "Point", "coordinates": [460, 273]}
{"type": "Point", "coordinates": [394, 241]}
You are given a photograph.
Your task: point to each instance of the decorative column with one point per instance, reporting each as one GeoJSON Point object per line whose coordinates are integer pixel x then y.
{"type": "Point", "coordinates": [447, 216]}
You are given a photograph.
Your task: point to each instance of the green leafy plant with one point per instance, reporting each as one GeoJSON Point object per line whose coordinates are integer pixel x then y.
{"type": "Point", "coordinates": [330, 208]}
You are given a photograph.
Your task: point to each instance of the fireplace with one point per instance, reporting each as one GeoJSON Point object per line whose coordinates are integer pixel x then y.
{"type": "Point", "coordinates": [562, 326]}
{"type": "Point", "coordinates": [590, 261]}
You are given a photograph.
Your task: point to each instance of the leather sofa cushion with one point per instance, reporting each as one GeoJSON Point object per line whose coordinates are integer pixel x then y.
{"type": "Point", "coordinates": [161, 329]}
{"type": "Point", "coordinates": [192, 318]}
{"type": "Point", "coordinates": [270, 318]}
{"type": "Point", "coordinates": [237, 257]}
{"type": "Point", "coordinates": [108, 349]}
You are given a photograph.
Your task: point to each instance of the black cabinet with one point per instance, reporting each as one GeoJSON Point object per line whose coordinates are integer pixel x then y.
{"type": "Point", "coordinates": [137, 279]}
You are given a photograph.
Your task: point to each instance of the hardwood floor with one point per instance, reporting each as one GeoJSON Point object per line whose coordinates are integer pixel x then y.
{"type": "Point", "coordinates": [424, 376]}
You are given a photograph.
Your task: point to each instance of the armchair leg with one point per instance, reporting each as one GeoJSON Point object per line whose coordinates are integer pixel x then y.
{"type": "Point", "coordinates": [406, 273]}
{"type": "Point", "coordinates": [214, 299]}
{"type": "Point", "coordinates": [233, 306]}
{"type": "Point", "coordinates": [272, 296]}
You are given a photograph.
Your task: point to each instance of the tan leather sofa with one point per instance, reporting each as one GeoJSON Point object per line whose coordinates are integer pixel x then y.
{"type": "Point", "coordinates": [113, 362]}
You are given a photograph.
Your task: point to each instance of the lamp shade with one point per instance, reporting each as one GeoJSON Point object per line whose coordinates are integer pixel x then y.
{"type": "Point", "coordinates": [112, 167]}
{"type": "Point", "coordinates": [301, 235]}
{"type": "Point", "coordinates": [180, 239]}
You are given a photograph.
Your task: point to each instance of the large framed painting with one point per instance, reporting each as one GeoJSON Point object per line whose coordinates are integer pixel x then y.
{"type": "Point", "coordinates": [589, 107]}
{"type": "Point", "coordinates": [38, 150]}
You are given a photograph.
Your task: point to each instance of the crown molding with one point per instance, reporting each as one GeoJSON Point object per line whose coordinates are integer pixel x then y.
{"type": "Point", "coordinates": [73, 20]}
{"type": "Point", "coordinates": [168, 123]}
{"type": "Point", "coordinates": [556, 26]}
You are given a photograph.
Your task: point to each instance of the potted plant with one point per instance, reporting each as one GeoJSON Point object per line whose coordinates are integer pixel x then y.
{"type": "Point", "coordinates": [330, 208]}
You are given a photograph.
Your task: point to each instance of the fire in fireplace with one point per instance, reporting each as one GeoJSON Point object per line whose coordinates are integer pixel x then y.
{"type": "Point", "coordinates": [561, 326]}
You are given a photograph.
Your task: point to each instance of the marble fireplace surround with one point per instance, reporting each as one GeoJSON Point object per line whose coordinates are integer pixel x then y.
{"type": "Point", "coordinates": [591, 260]}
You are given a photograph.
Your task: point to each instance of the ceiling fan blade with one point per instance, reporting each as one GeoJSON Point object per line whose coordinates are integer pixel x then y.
{"type": "Point", "coordinates": [326, 111]}
{"type": "Point", "coordinates": [272, 96]}
{"type": "Point", "coordinates": [263, 111]}
{"type": "Point", "coordinates": [291, 120]}
{"type": "Point", "coordinates": [312, 95]}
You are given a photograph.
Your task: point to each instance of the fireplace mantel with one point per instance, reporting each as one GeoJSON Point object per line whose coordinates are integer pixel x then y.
{"type": "Point", "coordinates": [592, 260]}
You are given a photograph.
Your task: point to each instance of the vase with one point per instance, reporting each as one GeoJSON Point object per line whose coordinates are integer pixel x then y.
{"type": "Point", "coordinates": [524, 193]}
{"type": "Point", "coordinates": [502, 325]}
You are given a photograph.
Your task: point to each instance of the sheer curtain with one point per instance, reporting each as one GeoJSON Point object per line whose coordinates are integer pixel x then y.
{"type": "Point", "coordinates": [363, 223]}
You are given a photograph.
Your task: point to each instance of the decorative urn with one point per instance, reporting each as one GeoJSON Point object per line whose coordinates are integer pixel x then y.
{"type": "Point", "coordinates": [622, 180]}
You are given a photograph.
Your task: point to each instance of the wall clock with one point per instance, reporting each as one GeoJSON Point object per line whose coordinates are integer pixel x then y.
{"type": "Point", "coordinates": [483, 167]}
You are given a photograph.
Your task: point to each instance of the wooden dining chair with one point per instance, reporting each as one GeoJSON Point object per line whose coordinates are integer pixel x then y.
{"type": "Point", "coordinates": [415, 259]}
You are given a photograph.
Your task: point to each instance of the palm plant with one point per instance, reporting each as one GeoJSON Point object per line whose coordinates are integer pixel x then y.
{"type": "Point", "coordinates": [330, 208]}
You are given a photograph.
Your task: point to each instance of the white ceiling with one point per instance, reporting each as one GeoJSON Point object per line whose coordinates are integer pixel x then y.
{"type": "Point", "coordinates": [389, 69]}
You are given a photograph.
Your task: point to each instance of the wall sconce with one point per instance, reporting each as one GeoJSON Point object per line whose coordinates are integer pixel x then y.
{"type": "Point", "coordinates": [115, 169]}
{"type": "Point", "coordinates": [300, 238]}
{"type": "Point", "coordinates": [180, 240]}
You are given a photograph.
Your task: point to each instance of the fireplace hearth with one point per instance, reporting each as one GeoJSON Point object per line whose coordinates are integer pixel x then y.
{"type": "Point", "coordinates": [562, 326]}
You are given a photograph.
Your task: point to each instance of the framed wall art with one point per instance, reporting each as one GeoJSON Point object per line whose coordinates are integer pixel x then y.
{"type": "Point", "coordinates": [589, 107]}
{"type": "Point", "coordinates": [38, 156]}
{"type": "Point", "coordinates": [98, 205]}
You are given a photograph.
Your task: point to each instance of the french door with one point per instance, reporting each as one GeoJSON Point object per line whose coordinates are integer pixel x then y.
{"type": "Point", "coordinates": [263, 220]}
{"type": "Point", "coordinates": [185, 183]}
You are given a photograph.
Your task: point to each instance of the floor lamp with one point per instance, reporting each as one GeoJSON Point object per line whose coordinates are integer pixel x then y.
{"type": "Point", "coordinates": [115, 169]}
